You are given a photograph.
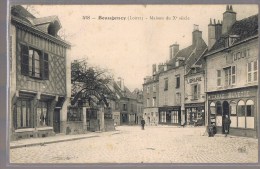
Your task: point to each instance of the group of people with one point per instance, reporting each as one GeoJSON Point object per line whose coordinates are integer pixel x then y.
{"type": "Point", "coordinates": [226, 124]}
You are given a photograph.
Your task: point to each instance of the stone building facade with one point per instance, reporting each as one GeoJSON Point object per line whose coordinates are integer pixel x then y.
{"type": "Point", "coordinates": [172, 80]}
{"type": "Point", "coordinates": [151, 97]}
{"type": "Point", "coordinates": [232, 74]}
{"type": "Point", "coordinates": [39, 76]}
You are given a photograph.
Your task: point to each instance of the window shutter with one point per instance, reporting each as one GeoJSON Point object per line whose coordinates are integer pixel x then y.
{"type": "Point", "coordinates": [233, 74]}
{"type": "Point", "coordinates": [198, 91]}
{"type": "Point", "coordinates": [45, 67]}
{"type": "Point", "coordinates": [24, 60]}
{"type": "Point", "coordinates": [249, 76]}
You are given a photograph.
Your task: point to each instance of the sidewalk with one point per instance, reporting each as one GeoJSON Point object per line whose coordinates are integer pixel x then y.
{"type": "Point", "coordinates": [53, 139]}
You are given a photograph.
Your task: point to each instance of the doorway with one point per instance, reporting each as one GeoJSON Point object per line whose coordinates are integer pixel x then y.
{"type": "Point", "coordinates": [225, 112]}
{"type": "Point", "coordinates": [56, 120]}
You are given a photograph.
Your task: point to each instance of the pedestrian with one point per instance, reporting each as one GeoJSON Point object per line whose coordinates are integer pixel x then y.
{"type": "Point", "coordinates": [142, 123]}
{"type": "Point", "coordinates": [227, 123]}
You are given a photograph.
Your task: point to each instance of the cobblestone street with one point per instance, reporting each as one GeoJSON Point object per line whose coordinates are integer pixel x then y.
{"type": "Point", "coordinates": [155, 144]}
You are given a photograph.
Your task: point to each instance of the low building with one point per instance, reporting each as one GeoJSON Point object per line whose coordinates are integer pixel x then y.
{"type": "Point", "coordinates": [39, 76]}
{"type": "Point", "coordinates": [232, 74]}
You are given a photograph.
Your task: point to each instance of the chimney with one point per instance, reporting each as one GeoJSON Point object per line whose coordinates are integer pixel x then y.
{"type": "Point", "coordinates": [160, 67]}
{"type": "Point", "coordinates": [174, 50]}
{"type": "Point", "coordinates": [121, 83]}
{"type": "Point", "coordinates": [214, 32]}
{"type": "Point", "coordinates": [196, 35]}
{"type": "Point", "coordinates": [154, 69]}
{"type": "Point", "coordinates": [229, 18]}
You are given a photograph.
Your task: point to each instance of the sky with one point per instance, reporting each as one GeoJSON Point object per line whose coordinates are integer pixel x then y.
{"type": "Point", "coordinates": [128, 48]}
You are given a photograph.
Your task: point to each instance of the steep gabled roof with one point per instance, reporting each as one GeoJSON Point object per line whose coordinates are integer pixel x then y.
{"type": "Point", "coordinates": [184, 53]}
{"type": "Point", "coordinates": [244, 28]}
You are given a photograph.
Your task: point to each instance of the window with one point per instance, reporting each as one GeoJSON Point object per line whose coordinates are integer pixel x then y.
{"type": "Point", "coordinates": [34, 63]}
{"type": "Point", "coordinates": [174, 116]}
{"type": "Point", "coordinates": [124, 107]}
{"type": "Point", "coordinates": [177, 82]}
{"type": "Point", "coordinates": [42, 114]}
{"type": "Point", "coordinates": [219, 109]}
{"type": "Point", "coordinates": [250, 108]}
{"type": "Point", "coordinates": [147, 89]}
{"type": "Point", "coordinates": [250, 120]}
{"type": "Point", "coordinates": [195, 91]}
{"type": "Point", "coordinates": [154, 88]}
{"type": "Point", "coordinates": [233, 108]}
{"type": "Point", "coordinates": [154, 101]}
{"type": "Point", "coordinates": [230, 75]}
{"type": "Point", "coordinates": [147, 102]}
{"type": "Point", "coordinates": [241, 108]}
{"type": "Point", "coordinates": [178, 98]}
{"type": "Point", "coordinates": [166, 84]}
{"type": "Point", "coordinates": [22, 114]}
{"type": "Point", "coordinates": [252, 69]}
{"type": "Point", "coordinates": [218, 77]}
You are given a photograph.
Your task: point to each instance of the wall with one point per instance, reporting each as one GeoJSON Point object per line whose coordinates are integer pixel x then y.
{"type": "Point", "coordinates": [218, 61]}
{"type": "Point", "coordinates": [170, 94]}
{"type": "Point", "coordinates": [57, 66]}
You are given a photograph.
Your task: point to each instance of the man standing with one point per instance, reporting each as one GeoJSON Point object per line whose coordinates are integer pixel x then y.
{"type": "Point", "coordinates": [142, 123]}
{"type": "Point", "coordinates": [227, 123]}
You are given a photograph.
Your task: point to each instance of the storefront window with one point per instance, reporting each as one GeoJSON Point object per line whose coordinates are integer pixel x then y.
{"type": "Point", "coordinates": [241, 114]}
{"type": "Point", "coordinates": [42, 114]}
{"type": "Point", "coordinates": [219, 109]}
{"type": "Point", "coordinates": [233, 112]}
{"type": "Point", "coordinates": [249, 108]}
{"type": "Point", "coordinates": [22, 114]}
{"type": "Point", "coordinates": [250, 114]}
{"type": "Point", "coordinates": [241, 108]}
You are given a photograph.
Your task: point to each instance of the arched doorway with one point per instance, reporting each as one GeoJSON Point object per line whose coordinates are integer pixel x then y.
{"type": "Point", "coordinates": [225, 106]}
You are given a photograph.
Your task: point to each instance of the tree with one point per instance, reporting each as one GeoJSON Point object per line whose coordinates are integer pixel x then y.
{"type": "Point", "coordinates": [90, 84]}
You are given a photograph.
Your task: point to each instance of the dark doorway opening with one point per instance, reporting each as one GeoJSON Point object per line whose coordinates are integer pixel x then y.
{"type": "Point", "coordinates": [56, 120]}
{"type": "Point", "coordinates": [225, 112]}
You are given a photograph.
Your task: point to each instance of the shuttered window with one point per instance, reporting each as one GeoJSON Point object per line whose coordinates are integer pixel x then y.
{"type": "Point", "coordinates": [252, 69]}
{"type": "Point", "coordinates": [34, 62]}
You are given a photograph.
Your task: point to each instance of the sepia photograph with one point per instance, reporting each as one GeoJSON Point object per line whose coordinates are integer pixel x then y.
{"type": "Point", "coordinates": [137, 84]}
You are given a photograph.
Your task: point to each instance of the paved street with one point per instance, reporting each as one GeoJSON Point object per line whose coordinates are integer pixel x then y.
{"type": "Point", "coordinates": [155, 144]}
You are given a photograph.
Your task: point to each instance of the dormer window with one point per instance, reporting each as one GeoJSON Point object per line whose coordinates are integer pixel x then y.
{"type": "Point", "coordinates": [52, 30]}
{"type": "Point", "coordinates": [230, 40]}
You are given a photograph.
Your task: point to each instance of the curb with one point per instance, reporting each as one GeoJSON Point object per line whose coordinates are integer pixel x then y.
{"type": "Point", "coordinates": [50, 142]}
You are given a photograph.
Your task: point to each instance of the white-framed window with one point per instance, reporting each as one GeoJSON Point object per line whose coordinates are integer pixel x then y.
{"type": "Point", "coordinates": [154, 101]}
{"type": "Point", "coordinates": [252, 71]}
{"type": "Point", "coordinates": [230, 75]}
{"type": "Point", "coordinates": [195, 90]}
{"type": "Point", "coordinates": [147, 89]}
{"type": "Point", "coordinates": [218, 77]}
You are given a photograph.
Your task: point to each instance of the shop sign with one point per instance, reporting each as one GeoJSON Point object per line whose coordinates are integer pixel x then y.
{"type": "Point", "coordinates": [194, 79]}
{"type": "Point", "coordinates": [231, 95]}
{"type": "Point", "coordinates": [195, 105]}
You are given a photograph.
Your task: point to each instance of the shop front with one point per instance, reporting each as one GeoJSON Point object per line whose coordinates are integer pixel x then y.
{"type": "Point", "coordinates": [241, 107]}
{"type": "Point", "coordinates": [195, 114]}
{"type": "Point", "coordinates": [170, 115]}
